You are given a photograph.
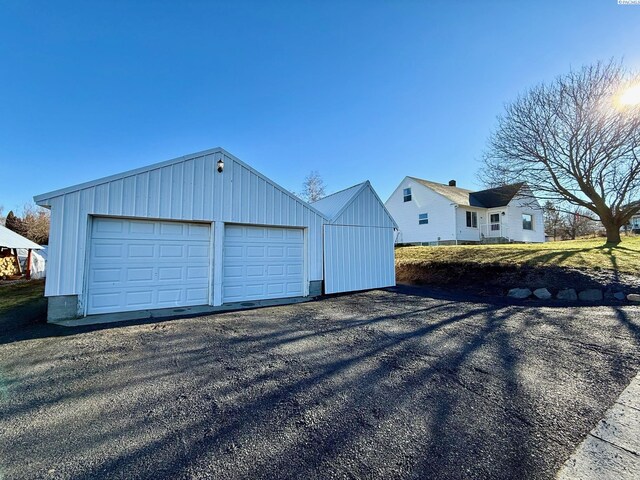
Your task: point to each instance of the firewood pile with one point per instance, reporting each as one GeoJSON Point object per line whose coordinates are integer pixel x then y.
{"type": "Point", "coordinates": [9, 266]}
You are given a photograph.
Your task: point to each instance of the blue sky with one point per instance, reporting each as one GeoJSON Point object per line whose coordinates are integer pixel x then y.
{"type": "Point", "coordinates": [356, 90]}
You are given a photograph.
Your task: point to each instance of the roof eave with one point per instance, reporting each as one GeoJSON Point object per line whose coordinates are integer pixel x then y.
{"type": "Point", "coordinates": [44, 199]}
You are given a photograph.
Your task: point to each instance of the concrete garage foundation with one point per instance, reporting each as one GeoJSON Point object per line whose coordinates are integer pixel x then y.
{"type": "Point", "coordinates": [63, 307]}
{"type": "Point", "coordinates": [63, 310]}
{"type": "Point", "coordinates": [315, 288]}
{"type": "Point", "coordinates": [170, 313]}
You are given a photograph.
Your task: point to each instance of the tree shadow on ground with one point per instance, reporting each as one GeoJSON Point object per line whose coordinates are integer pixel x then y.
{"type": "Point", "coordinates": [382, 384]}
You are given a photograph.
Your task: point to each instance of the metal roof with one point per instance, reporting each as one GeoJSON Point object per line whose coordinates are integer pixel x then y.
{"type": "Point", "coordinates": [333, 204]}
{"type": "Point", "coordinates": [10, 239]}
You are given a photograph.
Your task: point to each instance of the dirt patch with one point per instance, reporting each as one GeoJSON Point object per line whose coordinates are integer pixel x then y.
{"type": "Point", "coordinates": [496, 279]}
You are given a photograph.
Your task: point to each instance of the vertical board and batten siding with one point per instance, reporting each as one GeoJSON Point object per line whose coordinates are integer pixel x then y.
{"type": "Point", "coordinates": [189, 189]}
{"type": "Point", "coordinates": [359, 246]}
{"type": "Point", "coordinates": [358, 258]}
{"type": "Point", "coordinates": [365, 210]}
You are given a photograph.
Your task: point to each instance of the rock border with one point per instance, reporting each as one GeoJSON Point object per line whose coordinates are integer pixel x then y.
{"type": "Point", "coordinates": [588, 295]}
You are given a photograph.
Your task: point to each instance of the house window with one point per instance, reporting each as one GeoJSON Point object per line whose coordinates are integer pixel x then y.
{"type": "Point", "coordinates": [472, 219]}
{"type": "Point", "coordinates": [423, 218]}
{"type": "Point", "coordinates": [406, 193]}
{"type": "Point", "coordinates": [527, 221]}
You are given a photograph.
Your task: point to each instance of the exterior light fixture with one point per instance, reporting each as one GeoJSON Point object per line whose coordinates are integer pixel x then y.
{"type": "Point", "coordinates": [220, 165]}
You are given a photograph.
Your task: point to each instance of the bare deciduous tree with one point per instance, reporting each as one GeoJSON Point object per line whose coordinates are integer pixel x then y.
{"type": "Point", "coordinates": [553, 221]}
{"type": "Point", "coordinates": [574, 143]}
{"type": "Point", "coordinates": [313, 187]}
{"type": "Point", "coordinates": [577, 224]}
{"type": "Point", "coordinates": [36, 221]}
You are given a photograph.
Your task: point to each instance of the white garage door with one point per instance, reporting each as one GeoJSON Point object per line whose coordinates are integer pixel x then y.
{"type": "Point", "coordinates": [141, 264]}
{"type": "Point", "coordinates": [262, 262]}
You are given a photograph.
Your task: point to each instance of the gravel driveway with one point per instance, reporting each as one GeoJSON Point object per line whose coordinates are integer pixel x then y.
{"type": "Point", "coordinates": [403, 383]}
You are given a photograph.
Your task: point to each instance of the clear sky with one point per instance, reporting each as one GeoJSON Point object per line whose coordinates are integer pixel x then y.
{"type": "Point", "coordinates": [356, 90]}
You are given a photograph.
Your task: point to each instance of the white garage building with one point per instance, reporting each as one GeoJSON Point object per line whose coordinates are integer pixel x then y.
{"type": "Point", "coordinates": [207, 229]}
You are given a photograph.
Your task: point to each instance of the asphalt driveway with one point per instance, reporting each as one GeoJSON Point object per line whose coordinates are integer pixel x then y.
{"type": "Point", "coordinates": [404, 383]}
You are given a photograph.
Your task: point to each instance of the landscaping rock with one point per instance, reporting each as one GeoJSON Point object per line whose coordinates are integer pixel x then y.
{"type": "Point", "coordinates": [619, 296]}
{"type": "Point", "coordinates": [519, 293]}
{"type": "Point", "coordinates": [590, 295]}
{"type": "Point", "coordinates": [633, 297]}
{"type": "Point", "coordinates": [542, 293]}
{"type": "Point", "coordinates": [568, 294]}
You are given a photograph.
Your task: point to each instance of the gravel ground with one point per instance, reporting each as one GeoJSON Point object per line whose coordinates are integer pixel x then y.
{"type": "Point", "coordinates": [402, 383]}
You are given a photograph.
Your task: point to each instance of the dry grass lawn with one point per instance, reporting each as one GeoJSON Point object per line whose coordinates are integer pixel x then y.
{"type": "Point", "coordinates": [589, 254]}
{"type": "Point", "coordinates": [20, 294]}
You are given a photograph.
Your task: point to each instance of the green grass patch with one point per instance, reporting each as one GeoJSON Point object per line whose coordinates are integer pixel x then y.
{"type": "Point", "coordinates": [592, 254]}
{"type": "Point", "coordinates": [16, 295]}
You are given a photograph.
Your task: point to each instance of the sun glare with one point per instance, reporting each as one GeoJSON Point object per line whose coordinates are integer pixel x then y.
{"type": "Point", "coordinates": [631, 96]}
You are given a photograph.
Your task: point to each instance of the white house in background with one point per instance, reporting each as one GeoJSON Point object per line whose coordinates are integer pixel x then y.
{"type": "Point", "coordinates": [206, 229]}
{"type": "Point", "coordinates": [430, 212]}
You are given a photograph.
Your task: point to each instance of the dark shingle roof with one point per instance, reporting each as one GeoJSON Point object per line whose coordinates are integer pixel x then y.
{"type": "Point", "coordinates": [490, 198]}
{"type": "Point", "coordinates": [495, 197]}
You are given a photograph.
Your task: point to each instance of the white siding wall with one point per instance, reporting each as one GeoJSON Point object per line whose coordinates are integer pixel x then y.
{"type": "Point", "coordinates": [367, 210]}
{"type": "Point", "coordinates": [519, 205]}
{"type": "Point", "coordinates": [358, 258]}
{"type": "Point", "coordinates": [442, 216]}
{"type": "Point", "coordinates": [191, 189]}
{"type": "Point", "coordinates": [467, 233]}
{"type": "Point", "coordinates": [359, 246]}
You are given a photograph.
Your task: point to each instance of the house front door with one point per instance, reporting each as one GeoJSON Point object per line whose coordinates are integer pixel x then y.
{"type": "Point", "coordinates": [494, 225]}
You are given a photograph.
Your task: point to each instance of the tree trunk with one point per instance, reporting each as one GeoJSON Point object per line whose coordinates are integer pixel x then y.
{"type": "Point", "coordinates": [613, 232]}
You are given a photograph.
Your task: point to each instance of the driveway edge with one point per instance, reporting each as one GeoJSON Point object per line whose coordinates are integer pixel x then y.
{"type": "Point", "coordinates": [612, 449]}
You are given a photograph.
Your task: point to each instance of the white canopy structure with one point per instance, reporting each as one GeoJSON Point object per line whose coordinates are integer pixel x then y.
{"type": "Point", "coordinates": [11, 243]}
{"type": "Point", "coordinates": [10, 239]}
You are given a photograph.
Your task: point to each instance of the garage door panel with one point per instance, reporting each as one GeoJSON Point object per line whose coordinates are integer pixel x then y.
{"type": "Point", "coordinates": [107, 250]}
{"type": "Point", "coordinates": [141, 228]}
{"type": "Point", "coordinates": [294, 288]}
{"type": "Point", "coordinates": [262, 262]}
{"type": "Point", "coordinates": [139, 274]}
{"type": "Point", "coordinates": [275, 288]}
{"type": "Point", "coordinates": [143, 298]}
{"type": "Point", "coordinates": [255, 232]}
{"type": "Point", "coordinates": [275, 270]}
{"type": "Point", "coordinates": [170, 273]}
{"type": "Point", "coordinates": [167, 268]}
{"type": "Point", "coordinates": [275, 252]}
{"type": "Point", "coordinates": [106, 275]}
{"type": "Point", "coordinates": [198, 295]}
{"type": "Point", "coordinates": [105, 300]}
{"type": "Point", "coordinates": [197, 251]}
{"type": "Point", "coordinates": [294, 269]}
{"type": "Point", "coordinates": [198, 273]}
{"type": "Point", "coordinates": [255, 251]}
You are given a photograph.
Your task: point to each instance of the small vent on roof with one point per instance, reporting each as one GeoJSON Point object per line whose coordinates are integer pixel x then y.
{"type": "Point", "coordinates": [452, 183]}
